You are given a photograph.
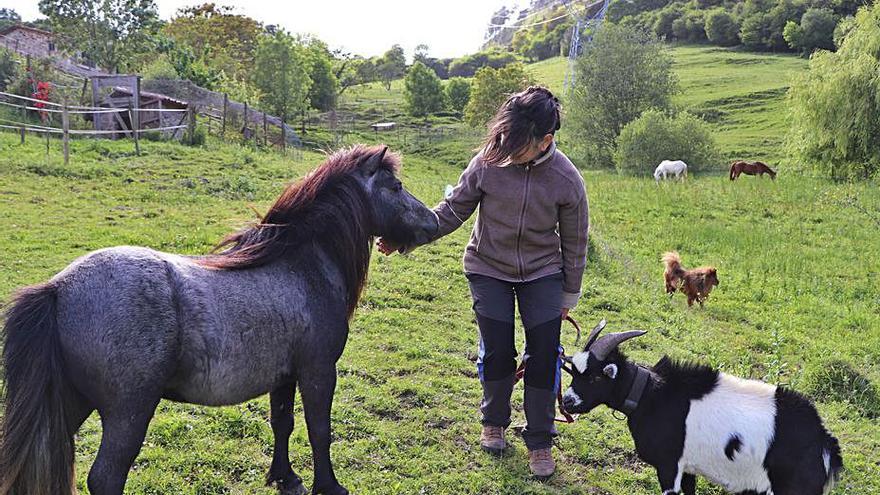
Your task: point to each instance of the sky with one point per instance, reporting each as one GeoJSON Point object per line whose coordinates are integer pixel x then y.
{"type": "Point", "coordinates": [450, 28]}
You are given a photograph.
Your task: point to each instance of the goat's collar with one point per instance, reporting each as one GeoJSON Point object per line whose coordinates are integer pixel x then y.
{"type": "Point", "coordinates": [640, 381]}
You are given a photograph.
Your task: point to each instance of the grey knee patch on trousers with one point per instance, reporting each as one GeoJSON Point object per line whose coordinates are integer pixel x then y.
{"type": "Point", "coordinates": [540, 408]}
{"type": "Point", "coordinates": [496, 401]}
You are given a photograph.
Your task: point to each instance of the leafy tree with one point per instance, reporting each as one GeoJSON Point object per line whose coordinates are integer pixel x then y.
{"type": "Point", "coordinates": [325, 85]}
{"type": "Point", "coordinates": [423, 91]}
{"type": "Point", "coordinates": [392, 66]}
{"type": "Point", "coordinates": [187, 65]}
{"type": "Point", "coordinates": [835, 112]}
{"type": "Point", "coordinates": [490, 88]}
{"type": "Point", "coordinates": [622, 73]}
{"type": "Point", "coordinates": [108, 32]}
{"type": "Point", "coordinates": [721, 28]}
{"type": "Point", "coordinates": [281, 74]}
{"type": "Point", "coordinates": [8, 17]}
{"type": "Point", "coordinates": [226, 41]}
{"type": "Point", "coordinates": [816, 30]}
{"type": "Point", "coordinates": [421, 54]}
{"type": "Point", "coordinates": [755, 31]}
{"type": "Point", "coordinates": [458, 93]}
{"type": "Point", "coordinates": [656, 136]}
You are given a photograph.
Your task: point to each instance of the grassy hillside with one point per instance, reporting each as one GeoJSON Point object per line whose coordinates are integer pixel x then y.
{"type": "Point", "coordinates": [798, 304]}
{"type": "Point", "coordinates": [741, 94]}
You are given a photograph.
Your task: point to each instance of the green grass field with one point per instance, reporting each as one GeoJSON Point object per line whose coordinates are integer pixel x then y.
{"type": "Point", "coordinates": [798, 304]}
{"type": "Point", "coordinates": [741, 94]}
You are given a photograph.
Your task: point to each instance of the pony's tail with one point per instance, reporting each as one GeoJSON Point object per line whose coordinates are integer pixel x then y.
{"type": "Point", "coordinates": [673, 263]}
{"type": "Point", "coordinates": [832, 461]}
{"type": "Point", "coordinates": [732, 167]}
{"type": "Point", "coordinates": [36, 446]}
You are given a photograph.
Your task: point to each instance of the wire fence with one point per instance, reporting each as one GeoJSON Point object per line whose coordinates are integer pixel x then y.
{"type": "Point", "coordinates": [125, 121]}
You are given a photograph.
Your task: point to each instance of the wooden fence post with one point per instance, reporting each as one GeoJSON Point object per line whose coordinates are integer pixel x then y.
{"type": "Point", "coordinates": [23, 120]}
{"type": "Point", "coordinates": [244, 130]}
{"type": "Point", "coordinates": [135, 126]}
{"type": "Point", "coordinates": [283, 136]}
{"type": "Point", "coordinates": [265, 131]}
{"type": "Point", "coordinates": [65, 127]}
{"type": "Point", "coordinates": [223, 120]}
{"type": "Point", "coordinates": [191, 127]}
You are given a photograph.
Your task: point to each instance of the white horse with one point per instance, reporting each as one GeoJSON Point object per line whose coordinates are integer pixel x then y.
{"type": "Point", "coordinates": [666, 168]}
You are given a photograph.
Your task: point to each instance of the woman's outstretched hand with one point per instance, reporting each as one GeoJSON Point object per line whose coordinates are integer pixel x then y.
{"type": "Point", "coordinates": [387, 247]}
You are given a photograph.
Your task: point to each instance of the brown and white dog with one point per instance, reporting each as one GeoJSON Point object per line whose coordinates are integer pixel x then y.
{"type": "Point", "coordinates": [696, 283]}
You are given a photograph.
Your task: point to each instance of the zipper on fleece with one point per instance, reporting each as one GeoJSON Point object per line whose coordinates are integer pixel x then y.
{"type": "Point", "coordinates": [522, 216]}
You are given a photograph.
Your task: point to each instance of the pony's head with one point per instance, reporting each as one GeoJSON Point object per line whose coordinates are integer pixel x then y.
{"type": "Point", "coordinates": [396, 214]}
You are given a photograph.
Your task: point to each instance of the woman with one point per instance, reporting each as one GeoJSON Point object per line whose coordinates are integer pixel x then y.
{"type": "Point", "coordinates": [529, 243]}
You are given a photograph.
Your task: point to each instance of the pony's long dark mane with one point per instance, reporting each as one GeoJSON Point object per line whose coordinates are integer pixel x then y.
{"type": "Point", "coordinates": [328, 206]}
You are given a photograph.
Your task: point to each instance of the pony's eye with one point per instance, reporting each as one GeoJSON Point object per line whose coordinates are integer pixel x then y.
{"type": "Point", "coordinates": [398, 186]}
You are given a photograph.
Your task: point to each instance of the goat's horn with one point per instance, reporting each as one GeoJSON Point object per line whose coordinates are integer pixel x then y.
{"type": "Point", "coordinates": [603, 346]}
{"type": "Point", "coordinates": [594, 333]}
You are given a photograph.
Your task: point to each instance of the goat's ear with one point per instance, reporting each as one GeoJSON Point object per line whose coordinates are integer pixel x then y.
{"type": "Point", "coordinates": [374, 162]}
{"type": "Point", "coordinates": [610, 371]}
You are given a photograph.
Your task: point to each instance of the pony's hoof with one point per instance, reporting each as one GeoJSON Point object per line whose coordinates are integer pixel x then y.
{"type": "Point", "coordinates": [299, 489]}
{"type": "Point", "coordinates": [333, 490]}
{"type": "Point", "coordinates": [291, 486]}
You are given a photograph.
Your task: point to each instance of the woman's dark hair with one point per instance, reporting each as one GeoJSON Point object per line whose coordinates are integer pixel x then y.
{"type": "Point", "coordinates": [525, 116]}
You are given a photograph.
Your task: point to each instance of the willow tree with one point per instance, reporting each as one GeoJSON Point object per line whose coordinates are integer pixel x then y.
{"type": "Point", "coordinates": [835, 108]}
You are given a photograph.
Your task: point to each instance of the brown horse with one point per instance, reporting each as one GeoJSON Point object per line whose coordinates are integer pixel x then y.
{"type": "Point", "coordinates": [750, 168]}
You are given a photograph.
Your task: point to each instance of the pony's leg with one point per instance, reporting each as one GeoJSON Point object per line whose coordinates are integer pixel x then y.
{"type": "Point", "coordinates": [281, 418]}
{"type": "Point", "coordinates": [317, 383]}
{"type": "Point", "coordinates": [123, 434]}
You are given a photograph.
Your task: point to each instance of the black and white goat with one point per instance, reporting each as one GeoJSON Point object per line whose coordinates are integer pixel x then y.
{"type": "Point", "coordinates": [686, 419]}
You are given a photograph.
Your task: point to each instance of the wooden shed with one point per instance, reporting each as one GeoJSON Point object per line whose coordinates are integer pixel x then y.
{"type": "Point", "coordinates": [123, 97]}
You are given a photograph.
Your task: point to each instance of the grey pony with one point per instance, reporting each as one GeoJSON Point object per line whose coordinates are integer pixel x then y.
{"type": "Point", "coordinates": [122, 328]}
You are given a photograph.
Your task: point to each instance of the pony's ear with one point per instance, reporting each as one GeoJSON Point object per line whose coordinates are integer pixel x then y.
{"type": "Point", "coordinates": [374, 162]}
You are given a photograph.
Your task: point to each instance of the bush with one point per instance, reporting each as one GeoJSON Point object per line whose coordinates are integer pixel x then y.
{"type": "Point", "coordinates": [722, 29]}
{"type": "Point", "coordinates": [458, 92]}
{"type": "Point", "coordinates": [664, 20]}
{"type": "Point", "coordinates": [835, 112]}
{"type": "Point", "coordinates": [816, 30]}
{"type": "Point", "coordinates": [690, 26]}
{"type": "Point", "coordinates": [622, 73]}
{"type": "Point", "coordinates": [423, 91]}
{"type": "Point", "coordinates": [655, 136]}
{"type": "Point", "coordinates": [468, 65]}
{"type": "Point", "coordinates": [199, 136]}
{"type": "Point", "coordinates": [8, 69]}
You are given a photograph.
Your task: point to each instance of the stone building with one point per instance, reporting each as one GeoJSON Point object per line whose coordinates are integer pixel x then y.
{"type": "Point", "coordinates": [28, 41]}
